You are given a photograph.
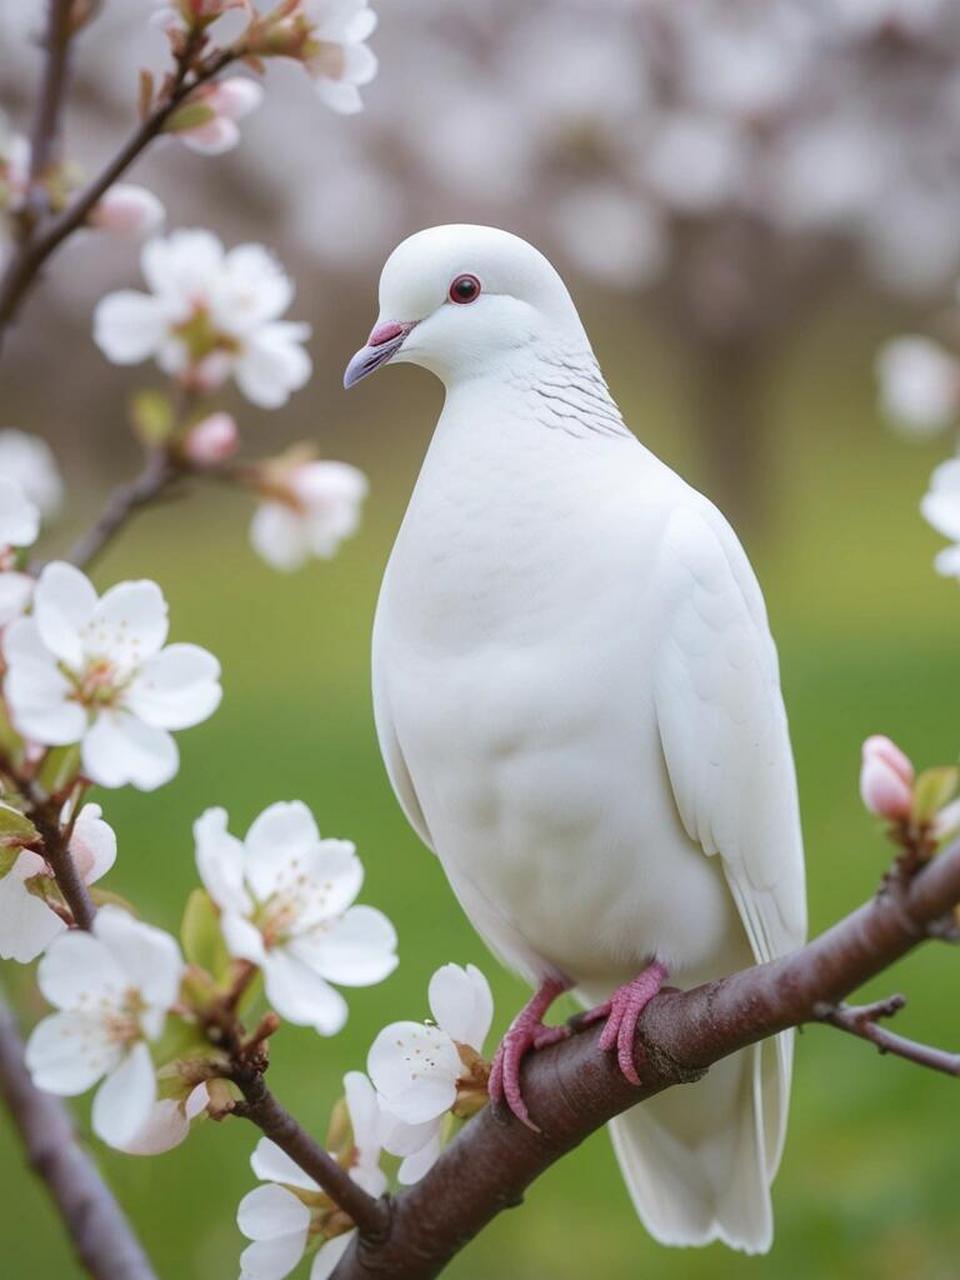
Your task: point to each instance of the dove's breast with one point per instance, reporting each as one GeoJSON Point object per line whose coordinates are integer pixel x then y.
{"type": "Point", "coordinates": [514, 641]}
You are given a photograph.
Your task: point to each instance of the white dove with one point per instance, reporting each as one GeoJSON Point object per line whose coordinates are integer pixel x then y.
{"type": "Point", "coordinates": [578, 703]}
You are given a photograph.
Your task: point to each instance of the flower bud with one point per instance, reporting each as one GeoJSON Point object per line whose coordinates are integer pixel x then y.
{"type": "Point", "coordinates": [886, 779]}
{"type": "Point", "coordinates": [212, 441]}
{"type": "Point", "coordinates": [127, 209]}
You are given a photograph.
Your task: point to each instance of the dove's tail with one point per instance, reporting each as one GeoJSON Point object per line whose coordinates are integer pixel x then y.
{"type": "Point", "coordinates": [698, 1160]}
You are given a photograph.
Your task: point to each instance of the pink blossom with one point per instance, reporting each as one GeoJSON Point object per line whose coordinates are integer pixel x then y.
{"type": "Point", "coordinates": [886, 779]}
{"type": "Point", "coordinates": [212, 441]}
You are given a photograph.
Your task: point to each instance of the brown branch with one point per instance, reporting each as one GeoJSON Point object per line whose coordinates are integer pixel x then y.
{"type": "Point", "coordinates": [98, 1228]}
{"type": "Point", "coordinates": [861, 1020]}
{"type": "Point", "coordinates": [159, 473]}
{"type": "Point", "coordinates": [572, 1088]}
{"type": "Point", "coordinates": [44, 814]}
{"type": "Point", "coordinates": [45, 134]}
{"type": "Point", "coordinates": [262, 1109]}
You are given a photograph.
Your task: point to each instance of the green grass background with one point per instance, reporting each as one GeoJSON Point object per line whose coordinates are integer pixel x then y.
{"type": "Point", "coordinates": [868, 640]}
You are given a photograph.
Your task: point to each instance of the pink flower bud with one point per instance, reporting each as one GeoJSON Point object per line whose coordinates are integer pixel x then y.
{"type": "Point", "coordinates": [212, 441]}
{"type": "Point", "coordinates": [127, 209]}
{"type": "Point", "coordinates": [886, 779]}
{"type": "Point", "coordinates": [235, 97]}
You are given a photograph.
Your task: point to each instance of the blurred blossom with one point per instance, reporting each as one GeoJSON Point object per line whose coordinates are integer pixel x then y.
{"type": "Point", "coordinates": [29, 461]}
{"type": "Point", "coordinates": [286, 905]}
{"type": "Point", "coordinates": [112, 988]}
{"type": "Point", "coordinates": [127, 209]}
{"type": "Point", "coordinates": [19, 518]}
{"type": "Point", "coordinates": [308, 511]}
{"type": "Point", "coordinates": [420, 1069]}
{"type": "Point", "coordinates": [209, 314]}
{"type": "Point", "coordinates": [619, 241]}
{"type": "Point", "coordinates": [281, 1216]}
{"type": "Point", "coordinates": [886, 779]}
{"type": "Point", "coordinates": [212, 440]}
{"type": "Point", "coordinates": [338, 58]}
{"type": "Point", "coordinates": [919, 385]}
{"type": "Point", "coordinates": [29, 898]}
{"type": "Point", "coordinates": [941, 508]}
{"type": "Point", "coordinates": [227, 101]}
{"type": "Point", "coordinates": [168, 1123]}
{"type": "Point", "coordinates": [695, 162]}
{"type": "Point", "coordinates": [96, 671]}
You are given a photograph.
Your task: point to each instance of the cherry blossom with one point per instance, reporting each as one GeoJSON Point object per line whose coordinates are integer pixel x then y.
{"type": "Point", "coordinates": [112, 988]}
{"type": "Point", "coordinates": [419, 1070]}
{"type": "Point", "coordinates": [919, 385]}
{"type": "Point", "coordinates": [941, 508]}
{"type": "Point", "coordinates": [168, 1123]}
{"type": "Point", "coordinates": [31, 907]}
{"type": "Point", "coordinates": [886, 779]}
{"type": "Point", "coordinates": [308, 511]}
{"type": "Point", "coordinates": [128, 209]}
{"type": "Point", "coordinates": [212, 440]}
{"type": "Point", "coordinates": [19, 526]}
{"type": "Point", "coordinates": [97, 671]}
{"type": "Point", "coordinates": [226, 101]}
{"type": "Point", "coordinates": [210, 314]}
{"type": "Point", "coordinates": [29, 462]}
{"type": "Point", "coordinates": [339, 59]}
{"type": "Point", "coordinates": [281, 1216]}
{"type": "Point", "coordinates": [285, 896]}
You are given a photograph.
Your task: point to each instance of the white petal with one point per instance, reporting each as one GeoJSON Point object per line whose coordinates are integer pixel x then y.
{"type": "Point", "coordinates": [357, 951]}
{"type": "Point", "coordinates": [29, 461]}
{"type": "Point", "coordinates": [243, 939]}
{"type": "Point", "coordinates": [284, 834]}
{"type": "Point", "coordinates": [27, 924]}
{"type": "Point", "coordinates": [273, 364]}
{"type": "Point", "coordinates": [128, 326]}
{"type": "Point", "coordinates": [80, 972]}
{"type": "Point", "coordinates": [415, 1069]}
{"type": "Point", "coordinates": [38, 695]}
{"type": "Point", "coordinates": [271, 1211]}
{"type": "Point", "coordinates": [119, 749]}
{"type": "Point", "coordinates": [462, 1004]}
{"type": "Point", "coordinates": [93, 843]}
{"type": "Point", "coordinates": [329, 1254]}
{"type": "Point", "coordinates": [165, 1128]}
{"type": "Point", "coordinates": [220, 862]}
{"type": "Point", "coordinates": [19, 517]}
{"type": "Point", "coordinates": [15, 592]}
{"type": "Point", "coordinates": [280, 536]}
{"type": "Point", "coordinates": [213, 138]}
{"type": "Point", "coordinates": [69, 1052]}
{"type": "Point", "coordinates": [63, 604]}
{"type": "Point", "coordinates": [149, 959]}
{"type": "Point", "coordinates": [301, 996]}
{"type": "Point", "coordinates": [176, 689]}
{"type": "Point", "coordinates": [340, 96]}
{"type": "Point", "coordinates": [122, 1105]}
{"type": "Point", "coordinates": [256, 289]}
{"type": "Point", "coordinates": [182, 264]}
{"type": "Point", "coordinates": [402, 1139]}
{"type": "Point", "coordinates": [947, 562]}
{"type": "Point", "coordinates": [271, 1164]}
{"type": "Point", "coordinates": [364, 1113]}
{"type": "Point", "coordinates": [129, 625]}
{"type": "Point", "coordinates": [414, 1166]}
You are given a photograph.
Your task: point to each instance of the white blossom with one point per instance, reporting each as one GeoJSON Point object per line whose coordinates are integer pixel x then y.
{"type": "Point", "coordinates": [19, 526]}
{"type": "Point", "coordinates": [280, 1216]}
{"type": "Point", "coordinates": [228, 100]}
{"type": "Point", "coordinates": [29, 921]}
{"type": "Point", "coordinates": [919, 385]}
{"type": "Point", "coordinates": [129, 210]}
{"type": "Point", "coordinates": [285, 898]}
{"type": "Point", "coordinates": [416, 1067]}
{"type": "Point", "coordinates": [97, 671]}
{"type": "Point", "coordinates": [168, 1123]}
{"type": "Point", "coordinates": [308, 513]}
{"type": "Point", "coordinates": [112, 988]}
{"type": "Point", "coordinates": [339, 58]}
{"type": "Point", "coordinates": [29, 462]}
{"type": "Point", "coordinates": [941, 508]}
{"type": "Point", "coordinates": [210, 314]}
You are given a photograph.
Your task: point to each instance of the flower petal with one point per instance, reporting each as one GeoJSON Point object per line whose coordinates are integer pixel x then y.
{"type": "Point", "coordinates": [63, 604]}
{"type": "Point", "coordinates": [273, 364]}
{"type": "Point", "coordinates": [220, 858]}
{"type": "Point", "coordinates": [357, 951]}
{"type": "Point", "coordinates": [269, 1212]}
{"type": "Point", "coordinates": [414, 1166]}
{"type": "Point", "coordinates": [177, 688]}
{"type": "Point", "coordinates": [80, 972]}
{"type": "Point", "coordinates": [93, 843]}
{"type": "Point", "coordinates": [271, 1164]}
{"type": "Point", "coordinates": [329, 1254]}
{"type": "Point", "coordinates": [279, 536]}
{"type": "Point", "coordinates": [38, 695]}
{"type": "Point", "coordinates": [283, 835]}
{"type": "Point", "coordinates": [128, 326]}
{"type": "Point", "coordinates": [148, 958]}
{"type": "Point", "coordinates": [243, 939]}
{"type": "Point", "coordinates": [462, 1004]}
{"type": "Point", "coordinates": [180, 265]}
{"type": "Point", "coordinates": [165, 1128]}
{"type": "Point", "coordinates": [129, 624]}
{"type": "Point", "coordinates": [19, 517]}
{"type": "Point", "coordinates": [119, 749]}
{"type": "Point", "coordinates": [301, 996]}
{"type": "Point", "coordinates": [16, 590]}
{"type": "Point", "coordinates": [69, 1052]}
{"type": "Point", "coordinates": [122, 1104]}
{"type": "Point", "coordinates": [27, 924]}
{"type": "Point", "coordinates": [415, 1069]}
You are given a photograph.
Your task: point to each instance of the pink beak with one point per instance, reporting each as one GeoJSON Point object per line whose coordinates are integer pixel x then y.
{"type": "Point", "coordinates": [382, 345]}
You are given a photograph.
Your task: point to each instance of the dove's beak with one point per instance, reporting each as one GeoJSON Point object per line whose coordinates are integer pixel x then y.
{"type": "Point", "coordinates": [383, 344]}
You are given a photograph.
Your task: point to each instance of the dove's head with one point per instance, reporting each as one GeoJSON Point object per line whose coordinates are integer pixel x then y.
{"type": "Point", "coordinates": [457, 299]}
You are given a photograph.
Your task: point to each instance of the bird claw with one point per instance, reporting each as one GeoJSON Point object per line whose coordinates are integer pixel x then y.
{"type": "Point", "coordinates": [526, 1033]}
{"type": "Point", "coordinates": [622, 1013]}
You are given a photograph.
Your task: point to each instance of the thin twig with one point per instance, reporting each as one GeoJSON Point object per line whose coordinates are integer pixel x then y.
{"type": "Point", "coordinates": [56, 850]}
{"type": "Point", "coordinates": [97, 1226]}
{"type": "Point", "coordinates": [159, 473]}
{"type": "Point", "coordinates": [45, 134]}
{"type": "Point", "coordinates": [862, 1020]}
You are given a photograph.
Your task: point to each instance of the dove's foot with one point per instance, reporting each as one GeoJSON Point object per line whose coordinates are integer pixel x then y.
{"type": "Point", "coordinates": [526, 1032]}
{"type": "Point", "coordinates": [622, 1012]}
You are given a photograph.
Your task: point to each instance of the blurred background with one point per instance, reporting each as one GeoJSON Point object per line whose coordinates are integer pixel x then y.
{"type": "Point", "coordinates": [747, 200]}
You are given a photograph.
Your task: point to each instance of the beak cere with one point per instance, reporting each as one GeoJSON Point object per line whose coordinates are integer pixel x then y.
{"type": "Point", "coordinates": [382, 345]}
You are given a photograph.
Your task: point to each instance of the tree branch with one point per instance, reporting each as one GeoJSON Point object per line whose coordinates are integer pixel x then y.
{"type": "Point", "coordinates": [861, 1020]}
{"type": "Point", "coordinates": [159, 472]}
{"type": "Point", "coordinates": [98, 1228]}
{"type": "Point", "coordinates": [572, 1088]}
{"type": "Point", "coordinates": [45, 134]}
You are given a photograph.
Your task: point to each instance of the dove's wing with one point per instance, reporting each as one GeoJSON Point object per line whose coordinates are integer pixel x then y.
{"type": "Point", "coordinates": [391, 751]}
{"type": "Point", "coordinates": [723, 726]}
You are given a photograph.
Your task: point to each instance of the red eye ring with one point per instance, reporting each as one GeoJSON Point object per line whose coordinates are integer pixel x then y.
{"type": "Point", "coordinates": [464, 289]}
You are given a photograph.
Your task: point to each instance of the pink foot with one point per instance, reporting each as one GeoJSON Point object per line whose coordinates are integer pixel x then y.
{"type": "Point", "coordinates": [526, 1032]}
{"type": "Point", "coordinates": [622, 1012]}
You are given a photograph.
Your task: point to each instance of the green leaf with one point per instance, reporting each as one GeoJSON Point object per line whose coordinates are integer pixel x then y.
{"type": "Point", "coordinates": [189, 116]}
{"type": "Point", "coordinates": [15, 827]}
{"type": "Point", "coordinates": [8, 856]}
{"type": "Point", "coordinates": [152, 417]}
{"type": "Point", "coordinates": [59, 769]}
{"type": "Point", "coordinates": [202, 939]}
{"type": "Point", "coordinates": [933, 789]}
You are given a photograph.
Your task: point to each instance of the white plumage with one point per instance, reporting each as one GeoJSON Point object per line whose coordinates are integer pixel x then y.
{"type": "Point", "coordinates": [578, 703]}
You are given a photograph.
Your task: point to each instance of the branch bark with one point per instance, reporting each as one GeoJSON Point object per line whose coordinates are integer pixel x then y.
{"type": "Point", "coordinates": [158, 474]}
{"type": "Point", "coordinates": [45, 134]}
{"type": "Point", "coordinates": [572, 1088]}
{"type": "Point", "coordinates": [98, 1229]}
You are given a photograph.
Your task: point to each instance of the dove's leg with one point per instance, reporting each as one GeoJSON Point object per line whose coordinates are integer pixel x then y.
{"type": "Point", "coordinates": [526, 1032]}
{"type": "Point", "coordinates": [622, 1012]}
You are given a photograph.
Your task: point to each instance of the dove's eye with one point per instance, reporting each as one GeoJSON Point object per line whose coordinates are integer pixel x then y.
{"type": "Point", "coordinates": [465, 288]}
